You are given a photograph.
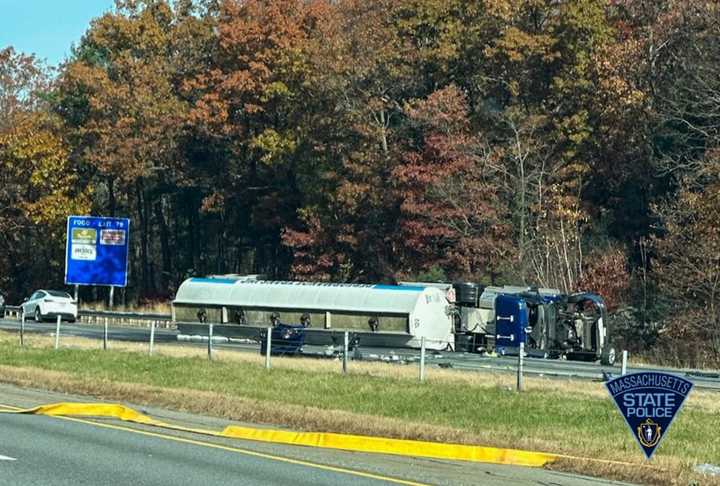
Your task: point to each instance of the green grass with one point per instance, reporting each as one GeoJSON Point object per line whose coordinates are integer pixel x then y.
{"type": "Point", "coordinates": [552, 419]}
{"type": "Point", "coordinates": [570, 424]}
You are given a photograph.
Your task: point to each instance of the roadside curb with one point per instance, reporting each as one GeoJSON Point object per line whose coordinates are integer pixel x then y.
{"type": "Point", "coordinates": [380, 445]}
{"type": "Point", "coordinates": [355, 443]}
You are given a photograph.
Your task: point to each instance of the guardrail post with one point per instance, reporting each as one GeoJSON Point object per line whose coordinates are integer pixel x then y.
{"type": "Point", "coordinates": [520, 367]}
{"type": "Point", "coordinates": [22, 330]}
{"type": "Point", "coordinates": [345, 352]}
{"type": "Point", "coordinates": [422, 358]}
{"type": "Point", "coordinates": [210, 339]}
{"type": "Point", "coordinates": [623, 371]}
{"type": "Point", "coordinates": [57, 332]}
{"type": "Point", "coordinates": [267, 349]}
{"type": "Point", "coordinates": [105, 334]}
{"type": "Point", "coordinates": [152, 336]}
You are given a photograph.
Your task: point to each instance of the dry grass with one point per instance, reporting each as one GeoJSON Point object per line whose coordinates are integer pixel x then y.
{"type": "Point", "coordinates": [656, 359]}
{"type": "Point", "coordinates": [667, 468]}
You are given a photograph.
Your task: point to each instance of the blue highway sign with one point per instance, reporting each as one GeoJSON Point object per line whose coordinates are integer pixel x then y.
{"type": "Point", "coordinates": [649, 401]}
{"type": "Point", "coordinates": [97, 251]}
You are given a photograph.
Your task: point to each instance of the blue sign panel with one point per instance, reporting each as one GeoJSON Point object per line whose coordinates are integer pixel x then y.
{"type": "Point", "coordinates": [649, 402]}
{"type": "Point", "coordinates": [97, 251]}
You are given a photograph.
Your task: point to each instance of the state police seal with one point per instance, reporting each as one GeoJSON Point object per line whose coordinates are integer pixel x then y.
{"type": "Point", "coordinates": [649, 401]}
{"type": "Point", "coordinates": [649, 433]}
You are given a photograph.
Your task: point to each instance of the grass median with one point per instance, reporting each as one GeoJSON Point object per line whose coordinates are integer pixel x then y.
{"type": "Point", "coordinates": [572, 418]}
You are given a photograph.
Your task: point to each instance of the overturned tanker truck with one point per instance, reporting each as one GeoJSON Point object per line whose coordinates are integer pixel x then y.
{"type": "Point", "coordinates": [463, 317]}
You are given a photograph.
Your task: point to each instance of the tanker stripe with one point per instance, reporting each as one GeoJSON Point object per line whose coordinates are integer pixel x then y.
{"type": "Point", "coordinates": [226, 281]}
{"type": "Point", "coordinates": [406, 288]}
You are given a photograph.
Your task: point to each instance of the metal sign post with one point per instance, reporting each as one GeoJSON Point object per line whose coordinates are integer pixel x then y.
{"type": "Point", "coordinates": [152, 336]}
{"type": "Point", "coordinates": [105, 335]}
{"type": "Point", "coordinates": [269, 346]}
{"type": "Point", "coordinates": [520, 367]}
{"type": "Point", "coordinates": [22, 329]}
{"type": "Point", "coordinates": [422, 358]}
{"type": "Point", "coordinates": [210, 341]}
{"type": "Point", "coordinates": [57, 333]}
{"type": "Point", "coordinates": [624, 363]}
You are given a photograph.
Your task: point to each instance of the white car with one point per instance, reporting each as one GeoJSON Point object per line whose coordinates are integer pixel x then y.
{"type": "Point", "coordinates": [45, 304]}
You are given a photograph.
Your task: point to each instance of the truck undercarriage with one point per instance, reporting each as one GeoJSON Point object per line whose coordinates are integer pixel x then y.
{"type": "Point", "coordinates": [549, 323]}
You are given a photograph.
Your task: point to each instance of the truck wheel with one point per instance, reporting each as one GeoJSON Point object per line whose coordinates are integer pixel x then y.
{"type": "Point", "coordinates": [607, 357]}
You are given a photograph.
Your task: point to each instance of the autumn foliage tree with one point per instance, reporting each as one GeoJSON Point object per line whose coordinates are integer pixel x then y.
{"type": "Point", "coordinates": [362, 77]}
{"type": "Point", "coordinates": [688, 251]}
{"type": "Point", "coordinates": [510, 141]}
{"type": "Point", "coordinates": [450, 213]}
{"type": "Point", "coordinates": [250, 119]}
{"type": "Point", "coordinates": [118, 96]}
{"type": "Point", "coordinates": [38, 184]}
{"type": "Point", "coordinates": [687, 266]}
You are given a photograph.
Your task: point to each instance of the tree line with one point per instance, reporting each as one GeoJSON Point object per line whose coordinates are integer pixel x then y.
{"type": "Point", "coordinates": [568, 144]}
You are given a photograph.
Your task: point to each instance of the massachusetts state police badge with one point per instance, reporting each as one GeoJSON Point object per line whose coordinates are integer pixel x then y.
{"type": "Point", "coordinates": [649, 402]}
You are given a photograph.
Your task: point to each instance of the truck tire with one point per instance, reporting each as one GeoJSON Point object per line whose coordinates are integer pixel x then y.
{"type": "Point", "coordinates": [464, 343]}
{"type": "Point", "coordinates": [607, 356]}
{"type": "Point", "coordinates": [467, 293]}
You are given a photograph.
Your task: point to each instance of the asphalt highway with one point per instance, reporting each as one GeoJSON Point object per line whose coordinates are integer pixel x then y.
{"type": "Point", "coordinates": [56, 451]}
{"type": "Point", "coordinates": [93, 331]}
{"type": "Point", "coordinates": [551, 368]}
{"type": "Point", "coordinates": [51, 451]}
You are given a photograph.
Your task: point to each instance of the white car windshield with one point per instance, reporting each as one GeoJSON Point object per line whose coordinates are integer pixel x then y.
{"type": "Point", "coordinates": [56, 293]}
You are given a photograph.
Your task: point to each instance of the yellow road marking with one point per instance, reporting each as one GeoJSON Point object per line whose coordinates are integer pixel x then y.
{"type": "Point", "coordinates": [326, 440]}
{"type": "Point", "coordinates": [319, 440]}
{"type": "Point", "coordinates": [234, 449]}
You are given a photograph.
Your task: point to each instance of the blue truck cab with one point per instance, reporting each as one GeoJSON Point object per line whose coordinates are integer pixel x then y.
{"type": "Point", "coordinates": [548, 323]}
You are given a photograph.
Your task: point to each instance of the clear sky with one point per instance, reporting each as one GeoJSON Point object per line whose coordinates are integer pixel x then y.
{"type": "Point", "coordinates": [47, 28]}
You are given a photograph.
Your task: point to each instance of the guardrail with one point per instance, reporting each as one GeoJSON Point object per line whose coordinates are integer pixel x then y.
{"type": "Point", "coordinates": [134, 319]}
{"type": "Point", "coordinates": [114, 317]}
{"type": "Point", "coordinates": [12, 311]}
{"type": "Point", "coordinates": [141, 316]}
